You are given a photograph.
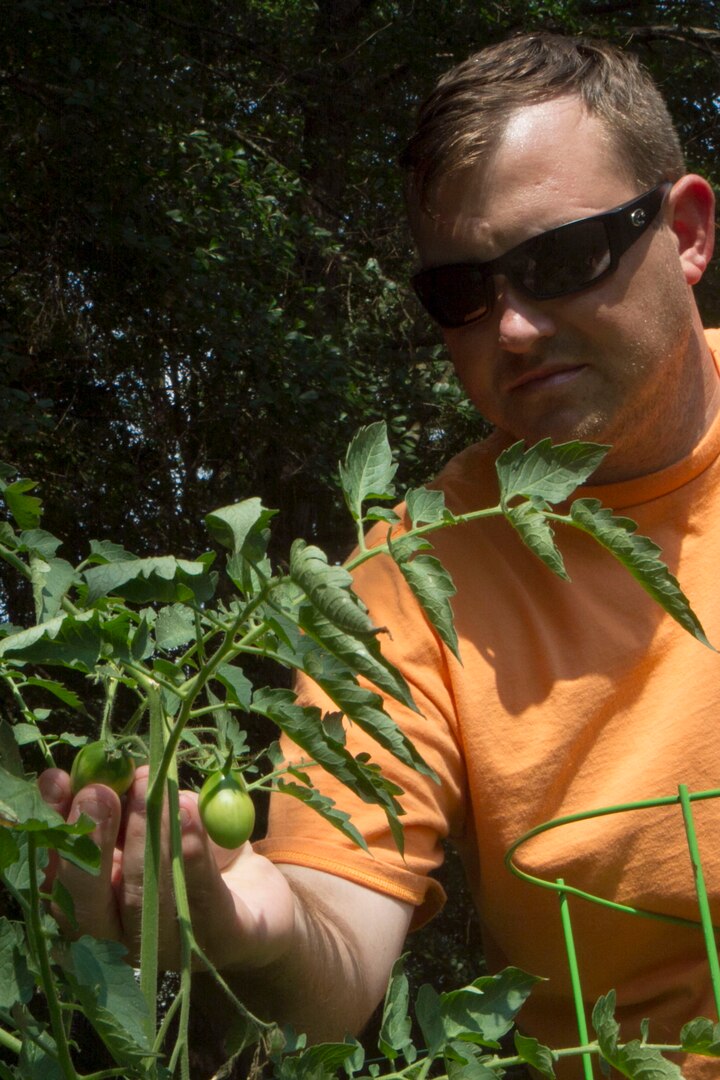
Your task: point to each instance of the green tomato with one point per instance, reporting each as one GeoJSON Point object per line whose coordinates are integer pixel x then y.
{"type": "Point", "coordinates": [226, 809]}
{"type": "Point", "coordinates": [96, 764]}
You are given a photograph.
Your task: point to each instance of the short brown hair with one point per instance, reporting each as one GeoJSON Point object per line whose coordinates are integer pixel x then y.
{"type": "Point", "coordinates": [463, 119]}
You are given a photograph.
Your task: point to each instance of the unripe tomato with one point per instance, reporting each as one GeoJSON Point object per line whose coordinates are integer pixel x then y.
{"type": "Point", "coordinates": [97, 764]}
{"type": "Point", "coordinates": [226, 809]}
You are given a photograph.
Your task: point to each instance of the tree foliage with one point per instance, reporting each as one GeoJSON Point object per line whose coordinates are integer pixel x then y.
{"type": "Point", "coordinates": [203, 249]}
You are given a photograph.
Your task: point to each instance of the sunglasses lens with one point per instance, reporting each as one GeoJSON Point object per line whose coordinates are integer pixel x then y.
{"type": "Point", "coordinates": [455, 295]}
{"type": "Point", "coordinates": [561, 261]}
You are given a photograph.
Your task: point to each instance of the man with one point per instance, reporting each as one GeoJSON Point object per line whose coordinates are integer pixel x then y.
{"type": "Point", "coordinates": [570, 697]}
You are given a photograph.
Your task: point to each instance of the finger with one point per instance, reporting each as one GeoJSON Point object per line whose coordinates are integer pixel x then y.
{"type": "Point", "coordinates": [54, 786]}
{"type": "Point", "coordinates": [132, 882]}
{"type": "Point", "coordinates": [241, 906]}
{"type": "Point", "coordinates": [93, 896]}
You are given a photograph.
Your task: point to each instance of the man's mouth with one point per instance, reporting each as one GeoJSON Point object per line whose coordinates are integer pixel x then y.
{"type": "Point", "coordinates": [544, 378]}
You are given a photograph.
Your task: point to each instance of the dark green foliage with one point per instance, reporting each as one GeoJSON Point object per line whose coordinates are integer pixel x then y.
{"type": "Point", "coordinates": [203, 248]}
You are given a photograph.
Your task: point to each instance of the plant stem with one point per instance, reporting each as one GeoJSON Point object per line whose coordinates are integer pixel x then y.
{"type": "Point", "coordinates": [151, 872]}
{"type": "Point", "coordinates": [39, 946]}
{"type": "Point", "coordinates": [703, 902]}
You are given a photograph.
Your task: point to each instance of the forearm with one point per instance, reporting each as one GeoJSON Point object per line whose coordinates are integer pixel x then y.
{"type": "Point", "coordinates": [329, 981]}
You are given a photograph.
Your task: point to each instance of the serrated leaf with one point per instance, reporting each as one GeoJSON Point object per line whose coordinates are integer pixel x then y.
{"type": "Point", "coordinates": [328, 588]}
{"type": "Point", "coordinates": [485, 1010]}
{"type": "Point", "coordinates": [26, 509]}
{"type": "Point", "coordinates": [16, 981]}
{"type": "Point", "coordinates": [545, 471]}
{"type": "Point", "coordinates": [426, 506]}
{"type": "Point", "coordinates": [361, 655]}
{"type": "Point", "coordinates": [534, 1053]}
{"type": "Point", "coordinates": [318, 1062]}
{"type": "Point", "coordinates": [396, 1029]}
{"type": "Point", "coordinates": [105, 986]}
{"type": "Point", "coordinates": [23, 809]}
{"type": "Point", "coordinates": [39, 542]}
{"type": "Point", "coordinates": [174, 626]}
{"type": "Point", "coordinates": [364, 708]}
{"type": "Point", "coordinates": [164, 579]}
{"type": "Point", "coordinates": [105, 551]}
{"type": "Point", "coordinates": [633, 1060]}
{"type": "Point", "coordinates": [535, 531]}
{"type": "Point", "coordinates": [381, 513]}
{"type": "Point", "coordinates": [303, 724]}
{"type": "Point", "coordinates": [322, 805]}
{"type": "Point", "coordinates": [68, 697]}
{"type": "Point", "coordinates": [50, 580]}
{"type": "Point", "coordinates": [701, 1036]}
{"type": "Point", "coordinates": [368, 470]}
{"type": "Point", "coordinates": [73, 641]}
{"type": "Point", "coordinates": [236, 683]}
{"type": "Point", "coordinates": [242, 527]}
{"type": "Point", "coordinates": [432, 587]}
{"type": "Point", "coordinates": [641, 557]}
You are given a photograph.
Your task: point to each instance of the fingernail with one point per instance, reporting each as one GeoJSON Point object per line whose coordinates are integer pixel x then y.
{"type": "Point", "coordinates": [94, 809]}
{"type": "Point", "coordinates": [185, 817]}
{"type": "Point", "coordinates": [52, 791]}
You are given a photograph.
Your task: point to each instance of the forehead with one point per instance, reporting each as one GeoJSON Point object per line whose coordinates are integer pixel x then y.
{"type": "Point", "coordinates": [553, 163]}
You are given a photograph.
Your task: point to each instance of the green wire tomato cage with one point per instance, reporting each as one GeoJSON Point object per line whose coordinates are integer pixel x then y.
{"type": "Point", "coordinates": [684, 799]}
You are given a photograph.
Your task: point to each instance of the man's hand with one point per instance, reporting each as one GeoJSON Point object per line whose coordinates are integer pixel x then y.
{"type": "Point", "coordinates": [243, 909]}
{"type": "Point", "coordinates": [301, 946]}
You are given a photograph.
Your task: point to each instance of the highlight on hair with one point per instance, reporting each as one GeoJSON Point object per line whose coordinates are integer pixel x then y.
{"type": "Point", "coordinates": [463, 119]}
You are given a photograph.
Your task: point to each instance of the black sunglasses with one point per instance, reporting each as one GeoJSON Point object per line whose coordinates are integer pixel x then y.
{"type": "Point", "coordinates": [555, 263]}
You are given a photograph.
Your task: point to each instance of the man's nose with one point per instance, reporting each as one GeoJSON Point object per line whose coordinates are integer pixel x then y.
{"type": "Point", "coordinates": [522, 321]}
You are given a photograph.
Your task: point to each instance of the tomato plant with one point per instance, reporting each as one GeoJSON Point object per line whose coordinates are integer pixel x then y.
{"type": "Point", "coordinates": [226, 809]}
{"type": "Point", "coordinates": [97, 763]}
{"type": "Point", "coordinates": [160, 629]}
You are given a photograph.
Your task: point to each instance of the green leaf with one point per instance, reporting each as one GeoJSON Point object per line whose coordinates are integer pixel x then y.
{"type": "Point", "coordinates": [105, 551]}
{"type": "Point", "coordinates": [16, 981]}
{"type": "Point", "coordinates": [303, 724]}
{"type": "Point", "coordinates": [428, 1011]}
{"type": "Point", "coordinates": [369, 469]}
{"type": "Point", "coordinates": [396, 1029]}
{"type": "Point", "coordinates": [432, 587]}
{"type": "Point", "coordinates": [318, 1062]}
{"type": "Point", "coordinates": [105, 986]}
{"type": "Point", "coordinates": [26, 509]}
{"type": "Point", "coordinates": [164, 579]}
{"type": "Point", "coordinates": [236, 683]}
{"type": "Point", "coordinates": [362, 656]}
{"type": "Point", "coordinates": [23, 809]}
{"type": "Point", "coordinates": [328, 588]}
{"type": "Point", "coordinates": [534, 1053]}
{"type": "Point", "coordinates": [68, 697]}
{"type": "Point", "coordinates": [426, 506]}
{"type": "Point", "coordinates": [39, 542]}
{"type": "Point", "coordinates": [322, 805]}
{"type": "Point", "coordinates": [50, 579]}
{"type": "Point", "coordinates": [242, 527]}
{"type": "Point", "coordinates": [364, 708]}
{"type": "Point", "coordinates": [546, 472]}
{"type": "Point", "coordinates": [534, 528]}
{"type": "Point", "coordinates": [485, 1010]}
{"type": "Point", "coordinates": [633, 1060]}
{"type": "Point", "coordinates": [701, 1036]}
{"type": "Point", "coordinates": [73, 641]}
{"type": "Point", "coordinates": [174, 626]}
{"type": "Point", "coordinates": [640, 556]}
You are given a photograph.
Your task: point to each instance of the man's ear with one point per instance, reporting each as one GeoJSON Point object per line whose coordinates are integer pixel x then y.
{"type": "Point", "coordinates": [692, 218]}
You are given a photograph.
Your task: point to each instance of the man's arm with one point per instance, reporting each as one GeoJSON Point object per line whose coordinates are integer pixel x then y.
{"type": "Point", "coordinates": [298, 945]}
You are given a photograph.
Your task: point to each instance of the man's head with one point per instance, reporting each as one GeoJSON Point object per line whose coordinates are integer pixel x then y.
{"type": "Point", "coordinates": [566, 301]}
{"type": "Point", "coordinates": [462, 121]}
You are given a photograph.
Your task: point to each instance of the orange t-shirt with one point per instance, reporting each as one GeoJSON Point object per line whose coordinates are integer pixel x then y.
{"type": "Point", "coordinates": [570, 697]}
